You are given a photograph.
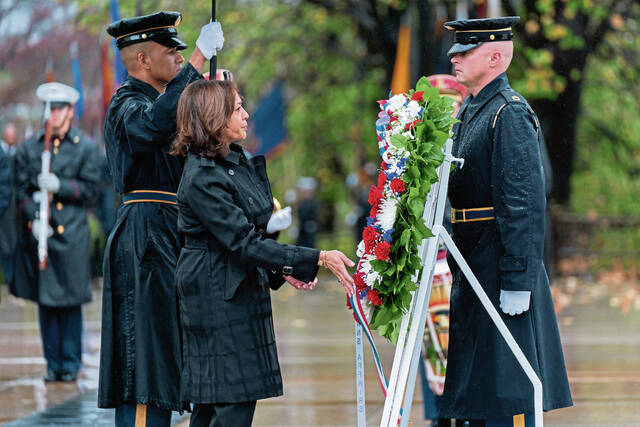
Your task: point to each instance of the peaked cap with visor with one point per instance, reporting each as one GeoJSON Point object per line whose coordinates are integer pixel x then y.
{"type": "Point", "coordinates": [471, 33]}
{"type": "Point", "coordinates": [159, 27]}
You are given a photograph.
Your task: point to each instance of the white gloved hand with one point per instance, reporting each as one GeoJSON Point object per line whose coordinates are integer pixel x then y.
{"type": "Point", "coordinates": [279, 220]}
{"type": "Point", "coordinates": [49, 182]}
{"type": "Point", "coordinates": [514, 302]}
{"type": "Point", "coordinates": [35, 229]}
{"type": "Point", "coordinates": [210, 39]}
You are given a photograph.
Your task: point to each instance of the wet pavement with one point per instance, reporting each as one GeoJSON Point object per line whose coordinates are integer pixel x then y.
{"type": "Point", "coordinates": [316, 351]}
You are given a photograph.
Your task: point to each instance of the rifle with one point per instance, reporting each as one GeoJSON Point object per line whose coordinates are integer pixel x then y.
{"type": "Point", "coordinates": [213, 62]}
{"type": "Point", "coordinates": [44, 195]}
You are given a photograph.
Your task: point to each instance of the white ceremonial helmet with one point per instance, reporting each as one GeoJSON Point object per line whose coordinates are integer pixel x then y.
{"type": "Point", "coordinates": [57, 93]}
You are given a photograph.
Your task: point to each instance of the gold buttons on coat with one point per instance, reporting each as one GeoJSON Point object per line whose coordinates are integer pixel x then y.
{"type": "Point", "coordinates": [56, 142]}
{"type": "Point", "coordinates": [76, 139]}
{"type": "Point", "coordinates": [59, 206]}
{"type": "Point", "coordinates": [60, 229]}
{"type": "Point", "coordinates": [56, 151]}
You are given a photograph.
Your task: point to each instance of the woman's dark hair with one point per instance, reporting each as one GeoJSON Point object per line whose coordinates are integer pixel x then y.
{"type": "Point", "coordinates": [204, 108]}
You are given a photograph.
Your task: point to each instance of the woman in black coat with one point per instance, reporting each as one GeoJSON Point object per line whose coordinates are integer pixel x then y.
{"type": "Point", "coordinates": [227, 267]}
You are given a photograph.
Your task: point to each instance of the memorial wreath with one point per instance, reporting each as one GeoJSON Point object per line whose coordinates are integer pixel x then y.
{"type": "Point", "coordinates": [412, 129]}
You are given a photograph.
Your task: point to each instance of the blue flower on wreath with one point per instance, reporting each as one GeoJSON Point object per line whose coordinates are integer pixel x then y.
{"type": "Point", "coordinates": [387, 235]}
{"type": "Point", "coordinates": [370, 221]}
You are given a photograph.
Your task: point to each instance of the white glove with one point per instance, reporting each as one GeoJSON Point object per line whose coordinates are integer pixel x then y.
{"type": "Point", "coordinates": [210, 39]}
{"type": "Point", "coordinates": [279, 220]}
{"type": "Point", "coordinates": [49, 182]}
{"type": "Point", "coordinates": [514, 302]}
{"type": "Point", "coordinates": [35, 229]}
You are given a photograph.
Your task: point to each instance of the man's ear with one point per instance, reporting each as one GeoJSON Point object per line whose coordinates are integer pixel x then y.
{"type": "Point", "coordinates": [495, 59]}
{"type": "Point", "coordinates": [143, 60]}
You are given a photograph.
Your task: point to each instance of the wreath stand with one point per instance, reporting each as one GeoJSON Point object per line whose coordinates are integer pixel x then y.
{"type": "Point", "coordinates": [399, 393]}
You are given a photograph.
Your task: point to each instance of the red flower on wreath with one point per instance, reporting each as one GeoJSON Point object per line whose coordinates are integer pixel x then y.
{"type": "Point", "coordinates": [382, 179]}
{"type": "Point", "coordinates": [358, 279]}
{"type": "Point", "coordinates": [398, 185]}
{"type": "Point", "coordinates": [374, 297]}
{"type": "Point", "coordinates": [417, 96]}
{"type": "Point", "coordinates": [382, 251]}
{"type": "Point", "coordinates": [370, 236]}
{"type": "Point", "coordinates": [374, 211]}
{"type": "Point", "coordinates": [375, 194]}
{"type": "Point", "coordinates": [412, 124]}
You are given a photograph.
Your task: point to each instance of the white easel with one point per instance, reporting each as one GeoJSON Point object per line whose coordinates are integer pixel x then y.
{"type": "Point", "coordinates": [407, 354]}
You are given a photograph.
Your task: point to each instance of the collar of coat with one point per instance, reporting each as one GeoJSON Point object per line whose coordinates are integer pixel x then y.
{"type": "Point", "coordinates": [472, 104]}
{"type": "Point", "coordinates": [235, 155]}
{"type": "Point", "coordinates": [71, 135]}
{"type": "Point", "coordinates": [141, 86]}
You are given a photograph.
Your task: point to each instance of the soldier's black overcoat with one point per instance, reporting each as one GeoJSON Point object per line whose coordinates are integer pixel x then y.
{"type": "Point", "coordinates": [66, 280]}
{"type": "Point", "coordinates": [140, 351]}
{"type": "Point", "coordinates": [502, 168]}
{"type": "Point", "coordinates": [224, 274]}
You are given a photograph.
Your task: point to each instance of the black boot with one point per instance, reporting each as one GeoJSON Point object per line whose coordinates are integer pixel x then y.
{"type": "Point", "coordinates": [50, 376]}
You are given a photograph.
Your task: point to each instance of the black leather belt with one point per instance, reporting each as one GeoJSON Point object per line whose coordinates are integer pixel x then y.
{"type": "Point", "coordinates": [154, 196]}
{"type": "Point", "coordinates": [472, 214]}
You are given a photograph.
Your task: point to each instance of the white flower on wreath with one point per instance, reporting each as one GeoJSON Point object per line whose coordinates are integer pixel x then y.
{"type": "Point", "coordinates": [360, 249]}
{"type": "Point", "coordinates": [409, 113]}
{"type": "Point", "coordinates": [396, 103]}
{"type": "Point", "coordinates": [387, 213]}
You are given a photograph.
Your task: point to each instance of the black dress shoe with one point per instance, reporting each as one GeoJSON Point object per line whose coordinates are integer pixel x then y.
{"type": "Point", "coordinates": [50, 376]}
{"type": "Point", "coordinates": [68, 376]}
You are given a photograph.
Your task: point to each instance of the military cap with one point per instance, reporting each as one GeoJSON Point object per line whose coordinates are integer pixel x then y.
{"type": "Point", "coordinates": [159, 27]}
{"type": "Point", "coordinates": [471, 33]}
{"type": "Point", "coordinates": [57, 94]}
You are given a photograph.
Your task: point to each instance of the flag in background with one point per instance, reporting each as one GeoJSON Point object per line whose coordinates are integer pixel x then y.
{"type": "Point", "coordinates": [267, 122]}
{"type": "Point", "coordinates": [401, 69]}
{"type": "Point", "coordinates": [77, 79]}
{"type": "Point", "coordinates": [120, 73]}
{"type": "Point", "coordinates": [48, 71]}
{"type": "Point", "coordinates": [107, 75]}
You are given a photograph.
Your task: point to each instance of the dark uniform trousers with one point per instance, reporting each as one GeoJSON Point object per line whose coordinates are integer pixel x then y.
{"type": "Point", "coordinates": [61, 330]}
{"type": "Point", "coordinates": [521, 420]}
{"type": "Point", "coordinates": [223, 414]}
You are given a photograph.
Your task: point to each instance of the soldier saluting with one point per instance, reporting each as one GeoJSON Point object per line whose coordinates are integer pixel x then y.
{"type": "Point", "coordinates": [498, 209]}
{"type": "Point", "coordinates": [140, 352]}
{"type": "Point", "coordinates": [64, 284]}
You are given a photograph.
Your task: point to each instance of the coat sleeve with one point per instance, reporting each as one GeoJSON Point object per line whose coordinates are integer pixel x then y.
{"type": "Point", "coordinates": [84, 186]}
{"type": "Point", "coordinates": [5, 182]}
{"type": "Point", "coordinates": [150, 126]}
{"type": "Point", "coordinates": [213, 203]}
{"type": "Point", "coordinates": [23, 181]}
{"type": "Point", "coordinates": [519, 199]}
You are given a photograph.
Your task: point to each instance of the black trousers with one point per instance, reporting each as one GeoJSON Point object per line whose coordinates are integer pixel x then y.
{"type": "Point", "coordinates": [61, 329]}
{"type": "Point", "coordinates": [223, 414]}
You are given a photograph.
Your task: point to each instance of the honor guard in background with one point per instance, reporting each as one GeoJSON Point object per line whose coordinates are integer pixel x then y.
{"type": "Point", "coordinates": [64, 284]}
{"type": "Point", "coordinates": [140, 357]}
{"type": "Point", "coordinates": [8, 146]}
{"type": "Point", "coordinates": [498, 209]}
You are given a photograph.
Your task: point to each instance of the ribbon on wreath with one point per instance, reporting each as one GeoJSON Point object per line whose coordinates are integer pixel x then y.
{"type": "Point", "coordinates": [361, 319]}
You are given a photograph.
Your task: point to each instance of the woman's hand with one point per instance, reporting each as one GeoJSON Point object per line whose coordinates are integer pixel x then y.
{"type": "Point", "coordinates": [299, 284]}
{"type": "Point", "coordinates": [336, 262]}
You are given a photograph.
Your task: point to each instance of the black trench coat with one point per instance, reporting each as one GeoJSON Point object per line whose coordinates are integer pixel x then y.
{"type": "Point", "coordinates": [223, 276]}
{"type": "Point", "coordinates": [66, 280]}
{"type": "Point", "coordinates": [502, 169]}
{"type": "Point", "coordinates": [140, 350]}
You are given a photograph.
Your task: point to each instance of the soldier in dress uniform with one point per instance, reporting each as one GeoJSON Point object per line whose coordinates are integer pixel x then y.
{"type": "Point", "coordinates": [64, 284]}
{"type": "Point", "coordinates": [8, 146]}
{"type": "Point", "coordinates": [498, 208]}
{"type": "Point", "coordinates": [140, 357]}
